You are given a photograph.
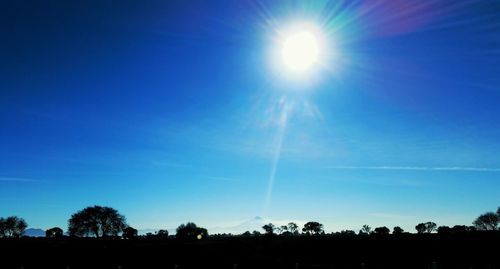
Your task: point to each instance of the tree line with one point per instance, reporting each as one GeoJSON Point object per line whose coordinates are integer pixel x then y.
{"type": "Point", "coordinates": [101, 221]}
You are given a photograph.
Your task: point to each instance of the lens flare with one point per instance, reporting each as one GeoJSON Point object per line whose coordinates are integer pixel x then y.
{"type": "Point", "coordinates": [300, 51]}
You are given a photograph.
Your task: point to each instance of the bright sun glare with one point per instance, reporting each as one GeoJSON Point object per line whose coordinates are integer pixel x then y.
{"type": "Point", "coordinates": [300, 51]}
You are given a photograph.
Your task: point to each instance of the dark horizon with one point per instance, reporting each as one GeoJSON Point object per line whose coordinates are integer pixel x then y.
{"type": "Point", "coordinates": [342, 112]}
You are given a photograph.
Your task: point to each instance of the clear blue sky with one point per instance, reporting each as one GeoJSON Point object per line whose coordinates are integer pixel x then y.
{"type": "Point", "coordinates": [170, 111]}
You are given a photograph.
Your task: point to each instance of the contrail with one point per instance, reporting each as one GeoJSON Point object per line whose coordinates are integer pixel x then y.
{"type": "Point", "coordinates": [17, 179]}
{"type": "Point", "coordinates": [276, 157]}
{"type": "Point", "coordinates": [419, 168]}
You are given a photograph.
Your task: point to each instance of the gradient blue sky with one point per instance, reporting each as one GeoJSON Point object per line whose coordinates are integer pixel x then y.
{"type": "Point", "coordinates": [171, 111]}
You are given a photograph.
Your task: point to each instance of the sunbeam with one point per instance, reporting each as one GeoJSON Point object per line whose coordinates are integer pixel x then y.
{"type": "Point", "coordinates": [282, 125]}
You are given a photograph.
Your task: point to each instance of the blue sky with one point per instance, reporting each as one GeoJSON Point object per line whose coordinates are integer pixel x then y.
{"type": "Point", "coordinates": [172, 111]}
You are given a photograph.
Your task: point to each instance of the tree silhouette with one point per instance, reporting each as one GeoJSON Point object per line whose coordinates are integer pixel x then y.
{"type": "Point", "coordinates": [162, 234]}
{"type": "Point", "coordinates": [430, 227]}
{"type": "Point", "coordinates": [397, 230]}
{"type": "Point", "coordinates": [293, 228]}
{"type": "Point", "coordinates": [55, 232]}
{"type": "Point", "coordinates": [420, 228]}
{"type": "Point", "coordinates": [12, 226]}
{"type": "Point", "coordinates": [313, 227]}
{"type": "Point", "coordinates": [427, 227]}
{"type": "Point", "coordinates": [190, 231]}
{"type": "Point", "coordinates": [382, 230]}
{"type": "Point", "coordinates": [487, 222]}
{"type": "Point", "coordinates": [246, 234]}
{"type": "Point", "coordinates": [460, 229]}
{"type": "Point", "coordinates": [96, 221]}
{"type": "Point", "coordinates": [347, 233]}
{"type": "Point", "coordinates": [365, 229]}
{"type": "Point", "coordinates": [129, 233]}
{"type": "Point", "coordinates": [444, 230]}
{"type": "Point", "coordinates": [280, 230]}
{"type": "Point", "coordinates": [269, 228]}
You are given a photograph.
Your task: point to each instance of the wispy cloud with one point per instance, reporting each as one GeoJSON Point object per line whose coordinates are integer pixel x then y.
{"type": "Point", "coordinates": [17, 179]}
{"type": "Point", "coordinates": [229, 179]}
{"type": "Point", "coordinates": [390, 216]}
{"type": "Point", "coordinates": [418, 168]}
{"type": "Point", "coordinates": [170, 164]}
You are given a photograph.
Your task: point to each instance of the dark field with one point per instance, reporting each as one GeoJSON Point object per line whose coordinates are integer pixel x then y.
{"type": "Point", "coordinates": [407, 251]}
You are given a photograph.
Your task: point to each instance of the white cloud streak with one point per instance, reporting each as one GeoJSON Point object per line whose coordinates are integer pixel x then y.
{"type": "Point", "coordinates": [418, 168]}
{"type": "Point", "coordinates": [227, 179]}
{"type": "Point", "coordinates": [17, 179]}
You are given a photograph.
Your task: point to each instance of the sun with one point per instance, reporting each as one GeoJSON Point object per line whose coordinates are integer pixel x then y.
{"type": "Point", "coordinates": [300, 51]}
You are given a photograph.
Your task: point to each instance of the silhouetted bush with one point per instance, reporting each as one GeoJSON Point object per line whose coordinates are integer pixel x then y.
{"type": "Point", "coordinates": [55, 232]}
{"type": "Point", "coordinates": [382, 230]}
{"type": "Point", "coordinates": [162, 234]}
{"type": "Point", "coordinates": [397, 230]}
{"type": "Point", "coordinates": [190, 231]}
{"type": "Point", "coordinates": [129, 233]}
{"type": "Point", "coordinates": [444, 230]}
{"type": "Point", "coordinates": [427, 227]}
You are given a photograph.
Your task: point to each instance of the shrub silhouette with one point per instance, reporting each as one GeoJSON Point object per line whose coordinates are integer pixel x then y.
{"type": "Point", "coordinates": [190, 231]}
{"type": "Point", "coordinates": [458, 229]}
{"type": "Point", "coordinates": [397, 230]}
{"type": "Point", "coordinates": [444, 230]}
{"type": "Point", "coordinates": [427, 227]}
{"type": "Point", "coordinates": [347, 233]}
{"type": "Point", "coordinates": [162, 234]}
{"type": "Point", "coordinates": [12, 226]}
{"type": "Point", "coordinates": [382, 230]}
{"type": "Point", "coordinates": [55, 232]}
{"type": "Point", "coordinates": [129, 233]}
{"type": "Point", "coordinates": [96, 221]}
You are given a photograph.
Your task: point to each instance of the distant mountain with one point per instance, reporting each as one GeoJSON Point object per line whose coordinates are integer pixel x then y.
{"type": "Point", "coordinates": [33, 232]}
{"type": "Point", "coordinates": [254, 224]}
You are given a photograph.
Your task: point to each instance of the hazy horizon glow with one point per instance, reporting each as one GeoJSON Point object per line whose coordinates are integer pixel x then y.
{"type": "Point", "coordinates": [342, 112]}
